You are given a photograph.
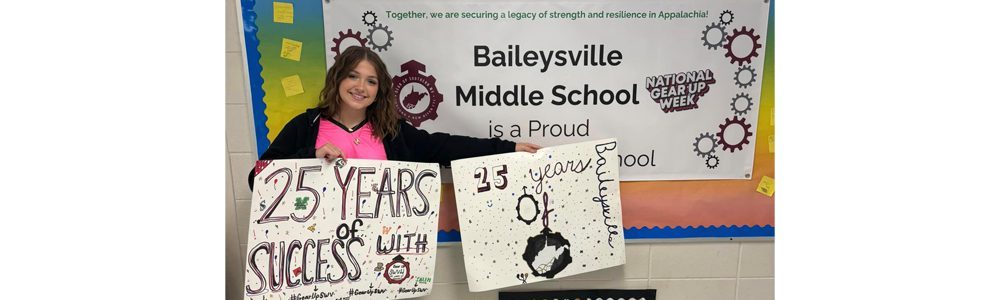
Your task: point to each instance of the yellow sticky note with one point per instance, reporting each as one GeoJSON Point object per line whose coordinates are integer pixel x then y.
{"type": "Point", "coordinates": [284, 12]}
{"type": "Point", "coordinates": [291, 49]}
{"type": "Point", "coordinates": [770, 144]}
{"type": "Point", "coordinates": [292, 85]}
{"type": "Point", "coordinates": [766, 186]}
{"type": "Point", "coordinates": [772, 115]}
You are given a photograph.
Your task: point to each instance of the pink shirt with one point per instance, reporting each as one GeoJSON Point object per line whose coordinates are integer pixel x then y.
{"type": "Point", "coordinates": [355, 142]}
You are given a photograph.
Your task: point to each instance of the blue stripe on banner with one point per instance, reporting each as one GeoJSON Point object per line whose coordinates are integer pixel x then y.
{"type": "Point", "coordinates": [699, 232]}
{"type": "Point", "coordinates": [253, 70]}
{"type": "Point", "coordinates": [666, 232]}
{"type": "Point", "coordinates": [449, 236]}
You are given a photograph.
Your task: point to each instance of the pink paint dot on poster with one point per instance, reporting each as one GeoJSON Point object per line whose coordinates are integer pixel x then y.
{"type": "Point", "coordinates": [297, 271]}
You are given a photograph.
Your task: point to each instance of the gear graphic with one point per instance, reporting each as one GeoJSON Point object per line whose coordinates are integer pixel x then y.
{"type": "Point", "coordinates": [414, 73]}
{"type": "Point", "coordinates": [743, 111]}
{"type": "Point", "coordinates": [364, 18]}
{"type": "Point", "coordinates": [342, 37]}
{"type": "Point", "coordinates": [712, 161]}
{"type": "Point", "coordinates": [704, 36]}
{"type": "Point", "coordinates": [703, 136]}
{"type": "Point", "coordinates": [388, 34]}
{"type": "Point", "coordinates": [722, 18]}
{"type": "Point", "coordinates": [520, 200]}
{"type": "Point", "coordinates": [753, 76]}
{"type": "Point", "coordinates": [753, 52]}
{"type": "Point", "coordinates": [726, 145]}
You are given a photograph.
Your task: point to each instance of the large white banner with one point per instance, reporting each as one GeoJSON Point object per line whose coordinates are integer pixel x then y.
{"type": "Point", "coordinates": [364, 230]}
{"type": "Point", "coordinates": [676, 82]}
{"type": "Point", "coordinates": [533, 217]}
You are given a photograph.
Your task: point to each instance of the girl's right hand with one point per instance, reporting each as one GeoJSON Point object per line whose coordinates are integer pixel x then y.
{"type": "Point", "coordinates": [527, 147]}
{"type": "Point", "coordinates": [329, 152]}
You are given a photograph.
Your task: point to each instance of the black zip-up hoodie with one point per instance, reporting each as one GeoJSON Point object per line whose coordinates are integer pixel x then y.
{"type": "Point", "coordinates": [298, 140]}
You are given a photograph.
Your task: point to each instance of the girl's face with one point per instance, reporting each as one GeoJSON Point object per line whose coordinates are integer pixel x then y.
{"type": "Point", "coordinates": [358, 90]}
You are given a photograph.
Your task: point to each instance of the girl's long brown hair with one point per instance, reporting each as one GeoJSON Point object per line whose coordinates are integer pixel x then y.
{"type": "Point", "coordinates": [382, 112]}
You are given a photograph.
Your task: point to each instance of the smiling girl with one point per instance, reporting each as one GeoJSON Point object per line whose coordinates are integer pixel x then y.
{"type": "Point", "coordinates": [356, 118]}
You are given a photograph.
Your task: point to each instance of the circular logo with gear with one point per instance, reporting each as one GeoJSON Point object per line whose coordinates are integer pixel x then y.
{"type": "Point", "coordinates": [397, 270]}
{"type": "Point", "coordinates": [416, 94]}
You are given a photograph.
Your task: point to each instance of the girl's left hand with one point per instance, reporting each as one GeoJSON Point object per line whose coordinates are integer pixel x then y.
{"type": "Point", "coordinates": [527, 147]}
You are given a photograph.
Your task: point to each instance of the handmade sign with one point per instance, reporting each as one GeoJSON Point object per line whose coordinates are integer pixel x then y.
{"type": "Point", "coordinates": [533, 217]}
{"type": "Point", "coordinates": [363, 230]}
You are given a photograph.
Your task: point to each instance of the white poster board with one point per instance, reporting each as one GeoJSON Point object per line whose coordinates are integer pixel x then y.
{"type": "Point", "coordinates": [367, 229]}
{"type": "Point", "coordinates": [532, 217]}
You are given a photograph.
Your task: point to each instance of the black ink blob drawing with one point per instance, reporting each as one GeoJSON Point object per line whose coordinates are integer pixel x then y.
{"type": "Point", "coordinates": [547, 253]}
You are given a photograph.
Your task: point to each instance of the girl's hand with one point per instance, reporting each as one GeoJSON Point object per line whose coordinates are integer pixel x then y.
{"type": "Point", "coordinates": [527, 147]}
{"type": "Point", "coordinates": [329, 152]}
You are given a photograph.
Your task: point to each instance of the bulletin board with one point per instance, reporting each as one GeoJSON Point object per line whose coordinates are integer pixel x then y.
{"type": "Point", "coordinates": [286, 58]}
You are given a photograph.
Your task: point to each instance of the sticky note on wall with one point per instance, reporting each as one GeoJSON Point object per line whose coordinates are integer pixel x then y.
{"type": "Point", "coordinates": [291, 49]}
{"type": "Point", "coordinates": [292, 85]}
{"type": "Point", "coordinates": [766, 186]}
{"type": "Point", "coordinates": [284, 13]}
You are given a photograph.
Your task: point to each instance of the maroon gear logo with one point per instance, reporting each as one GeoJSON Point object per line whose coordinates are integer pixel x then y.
{"type": "Point", "coordinates": [397, 270]}
{"type": "Point", "coordinates": [404, 103]}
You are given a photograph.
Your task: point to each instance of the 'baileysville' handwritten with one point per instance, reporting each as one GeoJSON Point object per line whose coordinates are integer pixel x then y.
{"type": "Point", "coordinates": [601, 189]}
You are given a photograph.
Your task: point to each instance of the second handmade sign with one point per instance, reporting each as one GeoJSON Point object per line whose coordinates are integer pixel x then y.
{"type": "Point", "coordinates": [533, 217]}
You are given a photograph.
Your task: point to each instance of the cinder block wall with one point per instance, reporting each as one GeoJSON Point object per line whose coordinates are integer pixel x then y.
{"type": "Point", "coordinates": [727, 270]}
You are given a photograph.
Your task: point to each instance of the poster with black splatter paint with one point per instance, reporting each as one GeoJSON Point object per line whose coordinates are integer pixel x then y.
{"type": "Point", "coordinates": [533, 217]}
{"type": "Point", "coordinates": [365, 229]}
